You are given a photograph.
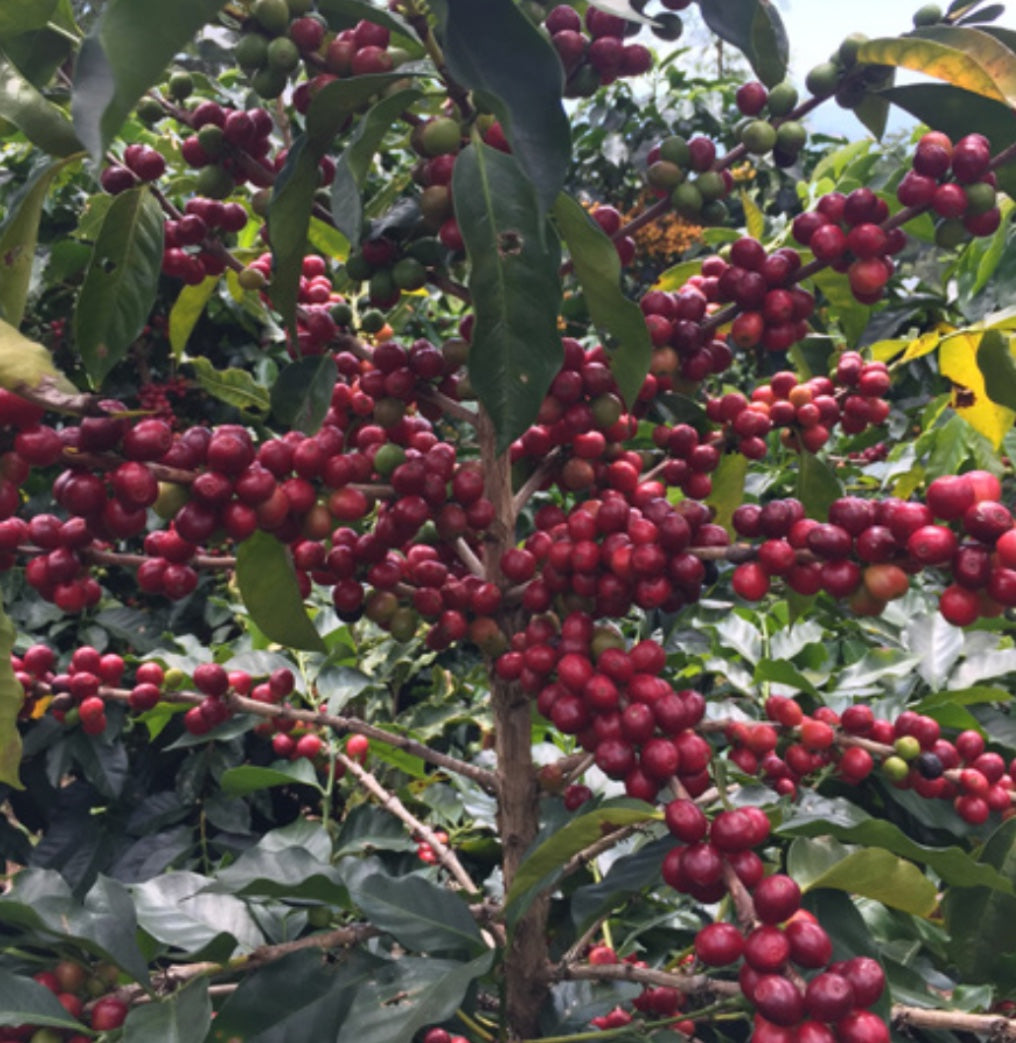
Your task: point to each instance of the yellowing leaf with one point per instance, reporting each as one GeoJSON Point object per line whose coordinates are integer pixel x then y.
{"type": "Point", "coordinates": [926, 343]}
{"type": "Point", "coordinates": [25, 363]}
{"type": "Point", "coordinates": [958, 363]}
{"type": "Point", "coordinates": [11, 698]}
{"type": "Point", "coordinates": [754, 220]}
{"type": "Point", "coordinates": [884, 350]}
{"type": "Point", "coordinates": [933, 59]}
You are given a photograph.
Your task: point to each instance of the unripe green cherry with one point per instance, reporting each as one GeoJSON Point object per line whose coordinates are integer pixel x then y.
{"type": "Point", "coordinates": [283, 55]}
{"type": "Point", "coordinates": [382, 287]}
{"type": "Point", "coordinates": [687, 200]}
{"type": "Point", "coordinates": [895, 769]}
{"type": "Point", "coordinates": [427, 250]}
{"type": "Point", "coordinates": [440, 137]}
{"type": "Point", "coordinates": [251, 51]}
{"type": "Point", "coordinates": [758, 137]}
{"type": "Point", "coordinates": [782, 99]}
{"type": "Point", "coordinates": [150, 111]}
{"type": "Point", "coordinates": [714, 213]}
{"type": "Point", "coordinates": [950, 233]}
{"type": "Point", "coordinates": [404, 622]}
{"type": "Point", "coordinates": [711, 185]}
{"type": "Point", "coordinates": [214, 181]}
{"type": "Point", "coordinates": [930, 14]}
{"type": "Point", "coordinates": [907, 747]}
{"type": "Point", "coordinates": [409, 274]}
{"type": "Point", "coordinates": [269, 82]}
{"type": "Point", "coordinates": [272, 16]}
{"type": "Point", "coordinates": [664, 175]}
{"type": "Point", "coordinates": [675, 150]}
{"type": "Point", "coordinates": [175, 678]}
{"type": "Point", "coordinates": [212, 140]}
{"type": "Point", "coordinates": [372, 321]}
{"type": "Point", "coordinates": [181, 86]}
{"type": "Point", "coordinates": [357, 267]}
{"type": "Point", "coordinates": [849, 47]}
{"type": "Point", "coordinates": [251, 279]}
{"type": "Point", "coordinates": [981, 197]}
{"type": "Point", "coordinates": [791, 136]}
{"type": "Point", "coordinates": [822, 79]}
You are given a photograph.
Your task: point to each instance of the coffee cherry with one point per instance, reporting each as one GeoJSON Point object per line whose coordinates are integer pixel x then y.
{"type": "Point", "coordinates": [719, 944]}
{"type": "Point", "coordinates": [776, 898]}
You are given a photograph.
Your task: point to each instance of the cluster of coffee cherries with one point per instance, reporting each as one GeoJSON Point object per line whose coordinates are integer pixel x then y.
{"type": "Point", "coordinates": [656, 1002]}
{"type": "Point", "coordinates": [683, 171]}
{"type": "Point", "coordinates": [599, 55]}
{"type": "Point", "coordinates": [957, 183]}
{"type": "Point", "coordinates": [783, 944]}
{"type": "Point", "coordinates": [84, 993]}
{"type": "Point", "coordinates": [805, 411]}
{"type": "Point", "coordinates": [141, 163]}
{"type": "Point", "coordinates": [201, 219]}
{"type": "Point", "coordinates": [682, 349]}
{"type": "Point", "coordinates": [768, 124]}
{"type": "Point", "coordinates": [425, 853]}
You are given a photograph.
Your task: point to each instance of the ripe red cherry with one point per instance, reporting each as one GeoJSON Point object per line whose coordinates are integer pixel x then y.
{"type": "Point", "coordinates": [108, 1013]}
{"type": "Point", "coordinates": [777, 898]}
{"type": "Point", "coordinates": [829, 997]}
{"type": "Point", "coordinates": [810, 945]}
{"type": "Point", "coordinates": [959, 605]}
{"type": "Point", "coordinates": [778, 1000]}
{"type": "Point", "coordinates": [719, 944]}
{"type": "Point", "coordinates": [862, 1026]}
{"type": "Point", "coordinates": [750, 581]}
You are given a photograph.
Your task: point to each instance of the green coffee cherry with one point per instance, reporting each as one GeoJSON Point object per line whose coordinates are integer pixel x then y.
{"type": "Point", "coordinates": [675, 150]}
{"type": "Point", "coordinates": [821, 81]}
{"type": "Point", "coordinates": [851, 44]}
{"type": "Point", "coordinates": [907, 747]}
{"type": "Point", "coordinates": [181, 86]}
{"type": "Point", "coordinates": [215, 182]}
{"type": "Point", "coordinates": [687, 200]}
{"type": "Point", "coordinates": [791, 137]}
{"type": "Point", "coordinates": [759, 137]}
{"type": "Point", "coordinates": [664, 175]}
{"type": "Point", "coordinates": [251, 51]}
{"type": "Point", "coordinates": [372, 321]}
{"type": "Point", "coordinates": [272, 16]}
{"type": "Point", "coordinates": [930, 14]}
{"type": "Point", "coordinates": [895, 769]}
{"type": "Point", "coordinates": [782, 99]}
{"type": "Point", "coordinates": [269, 82]}
{"type": "Point", "coordinates": [283, 55]}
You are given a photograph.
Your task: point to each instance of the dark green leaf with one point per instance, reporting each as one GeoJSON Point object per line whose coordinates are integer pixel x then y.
{"type": "Point", "coordinates": [368, 828]}
{"type": "Point", "coordinates": [248, 778]}
{"type": "Point", "coordinates": [104, 762]}
{"type": "Point", "coordinates": [25, 1001]}
{"type": "Point", "coordinates": [598, 269]}
{"type": "Point", "coordinates": [980, 920]}
{"type": "Point", "coordinates": [486, 47]}
{"type": "Point", "coordinates": [12, 698]}
{"type": "Point", "coordinates": [121, 283]}
{"type": "Point", "coordinates": [420, 915]}
{"type": "Point", "coordinates": [21, 16]}
{"type": "Point", "coordinates": [785, 673]}
{"type": "Point", "coordinates": [755, 28]}
{"type": "Point", "coordinates": [354, 163]}
{"type": "Point", "coordinates": [267, 582]}
{"type": "Point", "coordinates": [954, 111]}
{"type": "Point", "coordinates": [236, 387]}
{"type": "Point", "coordinates": [302, 393]}
{"type": "Point", "coordinates": [817, 485]}
{"type": "Point", "coordinates": [42, 122]}
{"type": "Point", "coordinates": [40, 52]}
{"type": "Point", "coordinates": [995, 360]}
{"type": "Point", "coordinates": [516, 349]}
{"type": "Point", "coordinates": [175, 910]}
{"type": "Point", "coordinates": [873, 112]}
{"type": "Point", "coordinates": [408, 994]}
{"type": "Point", "coordinates": [182, 1017]}
{"type": "Point", "coordinates": [628, 877]}
{"type": "Point", "coordinates": [820, 816]}
{"type": "Point", "coordinates": [125, 54]}
{"type": "Point", "coordinates": [291, 874]}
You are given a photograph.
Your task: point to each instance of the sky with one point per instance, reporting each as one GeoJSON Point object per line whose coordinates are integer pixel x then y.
{"type": "Point", "coordinates": [816, 27]}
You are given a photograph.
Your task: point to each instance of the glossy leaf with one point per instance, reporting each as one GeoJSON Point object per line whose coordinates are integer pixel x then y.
{"type": "Point", "coordinates": [516, 348]}
{"type": "Point", "coordinates": [121, 283]}
{"type": "Point", "coordinates": [249, 778]}
{"type": "Point", "coordinates": [353, 165]}
{"type": "Point", "coordinates": [42, 122]}
{"type": "Point", "coordinates": [598, 269]}
{"type": "Point", "coordinates": [25, 1001]}
{"type": "Point", "coordinates": [755, 28]}
{"type": "Point", "coordinates": [817, 485]}
{"type": "Point", "coordinates": [997, 363]}
{"type": "Point", "coordinates": [187, 309]}
{"type": "Point", "coordinates": [181, 1017]}
{"type": "Point", "coordinates": [936, 58]}
{"type": "Point", "coordinates": [486, 46]}
{"type": "Point", "coordinates": [292, 874]}
{"type": "Point", "coordinates": [980, 920]}
{"type": "Point", "coordinates": [18, 238]}
{"type": "Point", "coordinates": [12, 698]}
{"type": "Point", "coordinates": [407, 994]}
{"type": "Point", "coordinates": [870, 872]}
{"type": "Point", "coordinates": [174, 910]}
{"type": "Point", "coordinates": [546, 860]}
{"type": "Point", "coordinates": [990, 53]}
{"type": "Point", "coordinates": [420, 915]}
{"type": "Point", "coordinates": [302, 393]}
{"type": "Point", "coordinates": [38, 53]}
{"type": "Point", "coordinates": [235, 387]}
{"type": "Point", "coordinates": [824, 816]}
{"type": "Point", "coordinates": [627, 876]}
{"type": "Point", "coordinates": [126, 53]}
{"type": "Point", "coordinates": [21, 16]}
{"type": "Point", "coordinates": [728, 488]}
{"type": "Point", "coordinates": [959, 360]}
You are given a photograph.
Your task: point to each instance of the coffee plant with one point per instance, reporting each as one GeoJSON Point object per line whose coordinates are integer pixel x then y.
{"type": "Point", "coordinates": [503, 537]}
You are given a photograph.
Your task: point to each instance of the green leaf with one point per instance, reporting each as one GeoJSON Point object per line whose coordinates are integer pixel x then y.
{"type": "Point", "coordinates": [126, 53]}
{"type": "Point", "coordinates": [267, 582]}
{"type": "Point", "coordinates": [301, 395]}
{"type": "Point", "coordinates": [542, 864]}
{"type": "Point", "coordinates": [420, 915]}
{"type": "Point", "coordinates": [627, 877]}
{"type": "Point", "coordinates": [991, 53]}
{"type": "Point", "coordinates": [188, 307]}
{"type": "Point", "coordinates": [785, 673]}
{"type": "Point", "coordinates": [821, 816]}
{"type": "Point", "coordinates": [817, 485]}
{"type": "Point", "coordinates": [516, 348]}
{"type": "Point", "coordinates": [871, 872]}
{"type": "Point", "coordinates": [598, 269]}
{"type": "Point", "coordinates": [968, 68]}
{"type": "Point", "coordinates": [175, 910]}
{"type": "Point", "coordinates": [21, 16]}
{"type": "Point", "coordinates": [873, 112]}
{"type": "Point", "coordinates": [292, 874]}
{"type": "Point", "coordinates": [354, 164]}
{"type": "Point", "coordinates": [121, 283]}
{"type": "Point", "coordinates": [182, 1017]}
{"type": "Point", "coordinates": [12, 698]}
{"type": "Point", "coordinates": [954, 111]}
{"type": "Point", "coordinates": [42, 122]}
{"type": "Point", "coordinates": [25, 1001]}
{"type": "Point", "coordinates": [248, 778]}
{"type": "Point", "coordinates": [754, 219]}
{"type": "Point", "coordinates": [755, 28]}
{"type": "Point", "coordinates": [728, 488]}
{"type": "Point", "coordinates": [980, 920]}
{"type": "Point", "coordinates": [406, 995]}
{"type": "Point", "coordinates": [236, 387]}
{"type": "Point", "coordinates": [487, 46]}
{"type": "Point", "coordinates": [674, 277]}
{"type": "Point", "coordinates": [996, 361]}
{"type": "Point", "coordinates": [38, 53]}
